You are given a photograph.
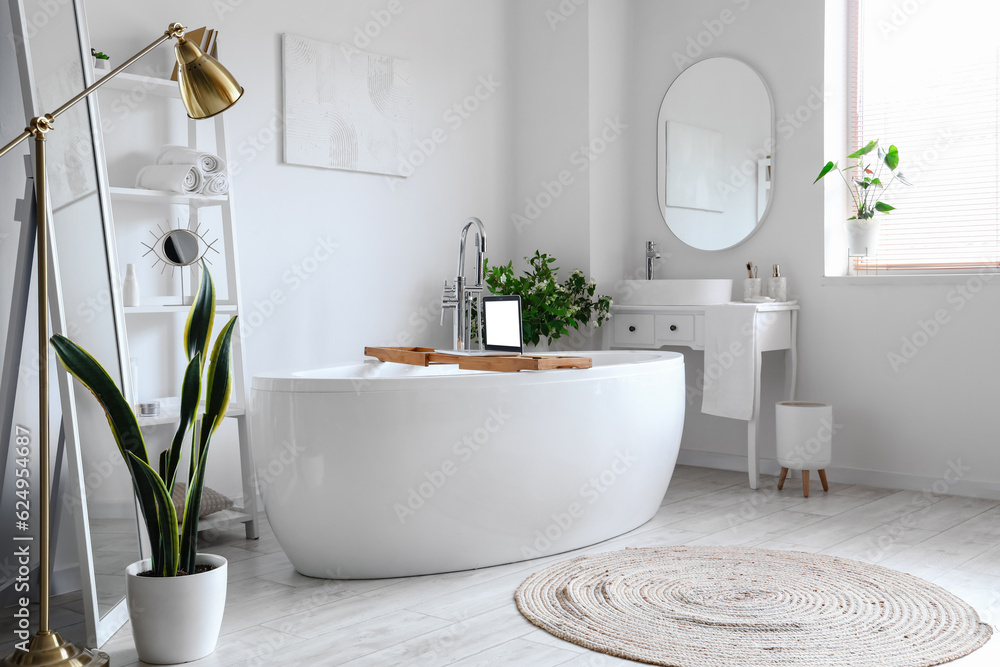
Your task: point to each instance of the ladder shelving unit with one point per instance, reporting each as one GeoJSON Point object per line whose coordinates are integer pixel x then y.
{"type": "Point", "coordinates": [245, 511]}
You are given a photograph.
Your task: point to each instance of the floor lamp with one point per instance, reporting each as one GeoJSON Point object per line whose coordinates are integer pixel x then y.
{"type": "Point", "coordinates": [207, 89]}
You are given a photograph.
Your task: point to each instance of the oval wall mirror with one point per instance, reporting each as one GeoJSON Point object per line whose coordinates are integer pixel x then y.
{"type": "Point", "coordinates": [715, 154]}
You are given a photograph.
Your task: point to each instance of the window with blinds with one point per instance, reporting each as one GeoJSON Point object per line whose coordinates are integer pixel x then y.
{"type": "Point", "coordinates": [925, 77]}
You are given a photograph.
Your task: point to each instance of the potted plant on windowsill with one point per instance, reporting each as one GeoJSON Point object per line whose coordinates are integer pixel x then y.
{"type": "Point", "coordinates": [549, 308]}
{"type": "Point", "coordinates": [176, 598]}
{"type": "Point", "coordinates": [867, 187]}
{"type": "Point", "coordinates": [102, 61]}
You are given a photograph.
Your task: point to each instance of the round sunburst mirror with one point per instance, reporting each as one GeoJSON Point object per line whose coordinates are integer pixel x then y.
{"type": "Point", "coordinates": [178, 247]}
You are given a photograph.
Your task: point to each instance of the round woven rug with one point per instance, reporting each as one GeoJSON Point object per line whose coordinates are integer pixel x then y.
{"type": "Point", "coordinates": [740, 607]}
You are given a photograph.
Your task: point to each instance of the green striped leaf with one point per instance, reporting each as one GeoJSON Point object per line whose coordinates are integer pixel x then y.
{"type": "Point", "coordinates": [124, 425]}
{"type": "Point", "coordinates": [188, 551]}
{"type": "Point", "coordinates": [220, 379]}
{"type": "Point", "coordinates": [166, 517]}
{"type": "Point", "coordinates": [200, 319]}
{"type": "Point", "coordinates": [190, 397]}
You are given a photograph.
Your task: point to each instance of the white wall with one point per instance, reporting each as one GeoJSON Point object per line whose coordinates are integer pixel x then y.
{"type": "Point", "coordinates": [899, 426]}
{"type": "Point", "coordinates": [611, 127]}
{"type": "Point", "coordinates": [550, 206]}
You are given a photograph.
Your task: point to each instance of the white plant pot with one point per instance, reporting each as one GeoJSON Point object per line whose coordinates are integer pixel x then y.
{"type": "Point", "coordinates": [862, 236]}
{"type": "Point", "coordinates": [176, 619]}
{"type": "Point", "coordinates": [804, 434]}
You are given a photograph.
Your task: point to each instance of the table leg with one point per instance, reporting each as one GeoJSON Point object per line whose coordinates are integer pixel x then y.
{"type": "Point", "coordinates": [752, 463]}
{"type": "Point", "coordinates": [792, 358]}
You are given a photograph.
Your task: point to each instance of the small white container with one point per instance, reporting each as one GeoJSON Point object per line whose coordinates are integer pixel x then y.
{"type": "Point", "coordinates": [804, 434]}
{"type": "Point", "coordinates": [751, 288]}
{"type": "Point", "coordinates": [777, 288]}
{"type": "Point", "coordinates": [130, 286]}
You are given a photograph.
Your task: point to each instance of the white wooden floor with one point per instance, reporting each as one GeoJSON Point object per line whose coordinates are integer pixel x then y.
{"type": "Point", "coordinates": [275, 616]}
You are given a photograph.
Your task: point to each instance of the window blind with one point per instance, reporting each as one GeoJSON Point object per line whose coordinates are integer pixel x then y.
{"type": "Point", "coordinates": [935, 94]}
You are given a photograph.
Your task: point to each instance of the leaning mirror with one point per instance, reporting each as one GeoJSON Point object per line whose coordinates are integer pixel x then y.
{"type": "Point", "coordinates": [715, 154]}
{"type": "Point", "coordinates": [93, 493]}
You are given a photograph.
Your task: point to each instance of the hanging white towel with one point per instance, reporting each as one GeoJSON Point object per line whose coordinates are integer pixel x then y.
{"type": "Point", "coordinates": [184, 178]}
{"type": "Point", "coordinates": [729, 360]}
{"type": "Point", "coordinates": [208, 163]}
{"type": "Point", "coordinates": [215, 184]}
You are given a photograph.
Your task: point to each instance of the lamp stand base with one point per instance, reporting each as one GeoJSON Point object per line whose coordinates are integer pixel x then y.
{"type": "Point", "coordinates": [48, 648]}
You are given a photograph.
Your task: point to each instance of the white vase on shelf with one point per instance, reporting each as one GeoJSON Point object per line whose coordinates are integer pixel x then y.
{"type": "Point", "coordinates": [130, 287]}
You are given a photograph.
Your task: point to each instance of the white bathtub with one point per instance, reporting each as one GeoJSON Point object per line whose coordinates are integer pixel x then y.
{"type": "Point", "coordinates": [385, 470]}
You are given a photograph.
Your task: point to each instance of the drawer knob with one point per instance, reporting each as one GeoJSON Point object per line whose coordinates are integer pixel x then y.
{"type": "Point", "coordinates": [632, 328]}
{"type": "Point", "coordinates": [673, 327]}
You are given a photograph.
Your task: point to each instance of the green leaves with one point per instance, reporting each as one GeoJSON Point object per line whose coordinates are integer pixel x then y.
{"type": "Point", "coordinates": [864, 151]}
{"type": "Point", "coordinates": [200, 318]}
{"type": "Point", "coordinates": [173, 547]}
{"type": "Point", "coordinates": [166, 517]}
{"type": "Point", "coordinates": [827, 168]}
{"type": "Point", "coordinates": [220, 379]}
{"type": "Point", "coordinates": [190, 397]}
{"type": "Point", "coordinates": [891, 158]}
{"type": "Point", "coordinates": [549, 307]}
{"type": "Point", "coordinates": [124, 425]}
{"type": "Point", "coordinates": [867, 184]}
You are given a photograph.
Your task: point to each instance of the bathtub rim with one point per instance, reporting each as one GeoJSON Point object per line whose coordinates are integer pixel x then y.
{"type": "Point", "coordinates": [649, 361]}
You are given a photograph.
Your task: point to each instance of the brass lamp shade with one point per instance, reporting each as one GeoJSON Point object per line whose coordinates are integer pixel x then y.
{"type": "Point", "coordinates": [207, 88]}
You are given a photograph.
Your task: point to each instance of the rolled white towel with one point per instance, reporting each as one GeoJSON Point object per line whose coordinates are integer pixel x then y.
{"type": "Point", "coordinates": [185, 178]}
{"type": "Point", "coordinates": [215, 184]}
{"type": "Point", "coordinates": [208, 163]}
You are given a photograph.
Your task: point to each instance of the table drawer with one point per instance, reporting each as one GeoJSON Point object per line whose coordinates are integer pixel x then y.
{"type": "Point", "coordinates": [774, 330]}
{"type": "Point", "coordinates": [674, 329]}
{"type": "Point", "coordinates": [633, 329]}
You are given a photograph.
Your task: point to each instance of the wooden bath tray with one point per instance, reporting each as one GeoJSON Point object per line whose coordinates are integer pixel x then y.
{"type": "Point", "coordinates": [425, 356]}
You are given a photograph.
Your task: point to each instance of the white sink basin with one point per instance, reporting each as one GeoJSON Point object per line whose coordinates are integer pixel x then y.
{"type": "Point", "coordinates": [675, 292]}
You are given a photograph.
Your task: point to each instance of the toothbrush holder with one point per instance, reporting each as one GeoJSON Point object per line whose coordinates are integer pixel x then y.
{"type": "Point", "coordinates": [751, 288]}
{"type": "Point", "coordinates": [777, 288]}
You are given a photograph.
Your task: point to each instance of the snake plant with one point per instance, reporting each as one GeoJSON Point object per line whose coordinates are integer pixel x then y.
{"type": "Point", "coordinates": [173, 542]}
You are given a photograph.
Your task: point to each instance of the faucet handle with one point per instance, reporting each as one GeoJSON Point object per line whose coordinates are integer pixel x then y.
{"type": "Point", "coordinates": [449, 298]}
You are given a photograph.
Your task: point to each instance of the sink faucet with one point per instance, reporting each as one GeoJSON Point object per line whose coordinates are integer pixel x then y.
{"type": "Point", "coordinates": [461, 296]}
{"type": "Point", "coordinates": [651, 254]}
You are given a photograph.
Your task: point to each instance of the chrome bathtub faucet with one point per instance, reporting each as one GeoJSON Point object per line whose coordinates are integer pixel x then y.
{"type": "Point", "coordinates": [651, 254]}
{"type": "Point", "coordinates": [462, 296]}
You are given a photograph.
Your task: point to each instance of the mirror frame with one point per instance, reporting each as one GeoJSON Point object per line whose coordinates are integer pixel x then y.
{"type": "Point", "coordinates": [179, 233]}
{"type": "Point", "coordinates": [661, 153]}
{"type": "Point", "coordinates": [99, 628]}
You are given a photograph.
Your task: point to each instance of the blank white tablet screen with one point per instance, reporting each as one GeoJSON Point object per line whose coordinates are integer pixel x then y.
{"type": "Point", "coordinates": [503, 323]}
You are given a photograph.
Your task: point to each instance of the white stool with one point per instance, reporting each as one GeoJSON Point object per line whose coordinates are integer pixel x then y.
{"type": "Point", "coordinates": [805, 439]}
